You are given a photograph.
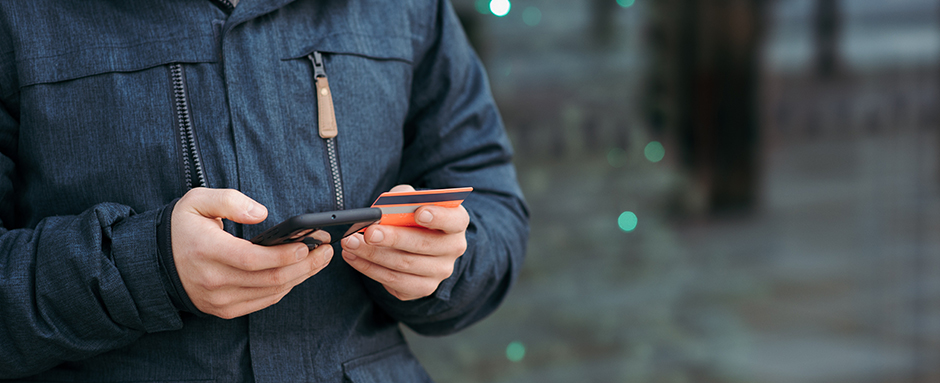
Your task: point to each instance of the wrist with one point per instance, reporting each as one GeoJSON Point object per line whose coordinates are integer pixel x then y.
{"type": "Point", "coordinates": [171, 279]}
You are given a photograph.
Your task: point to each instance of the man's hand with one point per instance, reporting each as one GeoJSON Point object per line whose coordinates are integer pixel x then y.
{"type": "Point", "coordinates": [410, 261]}
{"type": "Point", "coordinates": [227, 276]}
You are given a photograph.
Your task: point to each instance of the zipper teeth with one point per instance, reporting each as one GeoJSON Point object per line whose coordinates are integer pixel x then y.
{"type": "Point", "coordinates": [334, 169]}
{"type": "Point", "coordinates": [227, 4]}
{"type": "Point", "coordinates": [190, 154]}
{"type": "Point", "coordinates": [332, 153]}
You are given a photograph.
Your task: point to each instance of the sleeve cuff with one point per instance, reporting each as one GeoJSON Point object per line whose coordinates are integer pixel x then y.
{"type": "Point", "coordinates": [170, 277]}
{"type": "Point", "coordinates": [136, 254]}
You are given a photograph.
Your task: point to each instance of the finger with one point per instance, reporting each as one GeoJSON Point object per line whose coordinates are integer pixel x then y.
{"type": "Point", "coordinates": [447, 219]}
{"type": "Point", "coordinates": [244, 307]}
{"type": "Point", "coordinates": [415, 264]}
{"type": "Point", "coordinates": [355, 245]}
{"type": "Point", "coordinates": [402, 188]}
{"type": "Point", "coordinates": [408, 286]}
{"type": "Point", "coordinates": [244, 255]}
{"type": "Point", "coordinates": [417, 240]}
{"type": "Point", "coordinates": [235, 300]}
{"type": "Point", "coordinates": [224, 203]}
{"type": "Point", "coordinates": [289, 275]}
{"type": "Point", "coordinates": [321, 235]}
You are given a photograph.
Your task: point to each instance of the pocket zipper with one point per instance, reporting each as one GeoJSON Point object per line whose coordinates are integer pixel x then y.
{"type": "Point", "coordinates": [191, 161]}
{"type": "Point", "coordinates": [326, 125]}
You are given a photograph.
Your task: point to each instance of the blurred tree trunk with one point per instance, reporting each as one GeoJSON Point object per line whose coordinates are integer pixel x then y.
{"type": "Point", "coordinates": [826, 31]}
{"type": "Point", "coordinates": [705, 94]}
{"type": "Point", "coordinates": [602, 22]}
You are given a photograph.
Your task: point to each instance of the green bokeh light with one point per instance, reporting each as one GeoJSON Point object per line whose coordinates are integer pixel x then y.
{"type": "Point", "coordinates": [500, 8]}
{"type": "Point", "coordinates": [654, 151]}
{"type": "Point", "coordinates": [515, 351]}
{"type": "Point", "coordinates": [531, 16]}
{"type": "Point", "coordinates": [625, 3]}
{"type": "Point", "coordinates": [482, 6]}
{"type": "Point", "coordinates": [617, 157]}
{"type": "Point", "coordinates": [627, 221]}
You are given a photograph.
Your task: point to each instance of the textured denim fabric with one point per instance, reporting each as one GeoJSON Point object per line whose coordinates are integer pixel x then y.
{"type": "Point", "coordinates": [90, 158]}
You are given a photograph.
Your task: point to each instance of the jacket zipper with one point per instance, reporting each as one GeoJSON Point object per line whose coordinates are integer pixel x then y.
{"type": "Point", "coordinates": [191, 161]}
{"type": "Point", "coordinates": [227, 4]}
{"type": "Point", "coordinates": [326, 125]}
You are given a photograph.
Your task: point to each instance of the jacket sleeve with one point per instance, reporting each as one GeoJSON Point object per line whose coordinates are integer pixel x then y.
{"type": "Point", "coordinates": [454, 137]}
{"type": "Point", "coordinates": [73, 286]}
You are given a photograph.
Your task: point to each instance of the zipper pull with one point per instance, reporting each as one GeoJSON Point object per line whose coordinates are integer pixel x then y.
{"type": "Point", "coordinates": [326, 116]}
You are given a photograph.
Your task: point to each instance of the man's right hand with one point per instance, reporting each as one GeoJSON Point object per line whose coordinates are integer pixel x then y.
{"type": "Point", "coordinates": [227, 276]}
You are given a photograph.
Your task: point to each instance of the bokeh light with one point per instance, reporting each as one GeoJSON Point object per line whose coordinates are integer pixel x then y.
{"type": "Point", "coordinates": [500, 7]}
{"type": "Point", "coordinates": [617, 157]}
{"type": "Point", "coordinates": [627, 221]}
{"type": "Point", "coordinates": [515, 351]}
{"type": "Point", "coordinates": [482, 6]}
{"type": "Point", "coordinates": [625, 3]}
{"type": "Point", "coordinates": [654, 151]}
{"type": "Point", "coordinates": [531, 16]}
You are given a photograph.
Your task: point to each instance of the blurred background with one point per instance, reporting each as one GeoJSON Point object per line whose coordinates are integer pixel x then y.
{"type": "Point", "coordinates": [721, 191]}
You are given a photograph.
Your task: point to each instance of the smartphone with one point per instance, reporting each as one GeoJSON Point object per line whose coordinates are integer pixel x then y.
{"type": "Point", "coordinates": [303, 228]}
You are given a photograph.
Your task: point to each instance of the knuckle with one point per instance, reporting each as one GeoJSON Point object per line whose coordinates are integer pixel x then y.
{"type": "Point", "coordinates": [194, 193]}
{"type": "Point", "coordinates": [212, 282]}
{"type": "Point", "coordinates": [392, 278]}
{"type": "Point", "coordinates": [227, 314]}
{"type": "Point", "coordinates": [364, 266]}
{"type": "Point", "coordinates": [404, 263]}
{"type": "Point", "coordinates": [428, 289]}
{"type": "Point", "coordinates": [277, 298]}
{"type": "Point", "coordinates": [424, 245]}
{"type": "Point", "coordinates": [281, 290]}
{"type": "Point", "coordinates": [393, 292]}
{"type": "Point", "coordinates": [227, 197]}
{"type": "Point", "coordinates": [447, 271]}
{"type": "Point", "coordinates": [244, 263]}
{"type": "Point", "coordinates": [461, 247]}
{"type": "Point", "coordinates": [367, 252]}
{"type": "Point", "coordinates": [277, 277]}
{"type": "Point", "coordinates": [218, 301]}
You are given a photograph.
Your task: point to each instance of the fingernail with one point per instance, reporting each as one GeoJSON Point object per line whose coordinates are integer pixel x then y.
{"type": "Point", "coordinates": [256, 211]}
{"type": "Point", "coordinates": [352, 243]}
{"type": "Point", "coordinates": [302, 252]}
{"type": "Point", "coordinates": [424, 217]}
{"type": "Point", "coordinates": [377, 236]}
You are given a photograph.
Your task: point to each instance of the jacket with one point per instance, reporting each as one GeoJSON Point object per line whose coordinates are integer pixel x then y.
{"type": "Point", "coordinates": [112, 110]}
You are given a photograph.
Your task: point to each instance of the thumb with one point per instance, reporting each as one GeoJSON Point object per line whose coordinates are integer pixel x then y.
{"type": "Point", "coordinates": [402, 188]}
{"type": "Point", "coordinates": [224, 203]}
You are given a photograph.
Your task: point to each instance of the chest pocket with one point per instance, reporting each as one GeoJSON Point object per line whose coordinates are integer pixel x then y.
{"type": "Point", "coordinates": [370, 80]}
{"type": "Point", "coordinates": [98, 122]}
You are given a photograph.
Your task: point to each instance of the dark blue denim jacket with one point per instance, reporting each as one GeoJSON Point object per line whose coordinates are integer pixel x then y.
{"type": "Point", "coordinates": [111, 110]}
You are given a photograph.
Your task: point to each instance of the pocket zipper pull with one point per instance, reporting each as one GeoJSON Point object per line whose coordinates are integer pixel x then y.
{"type": "Point", "coordinates": [326, 116]}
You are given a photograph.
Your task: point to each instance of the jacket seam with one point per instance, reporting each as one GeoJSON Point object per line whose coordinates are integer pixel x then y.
{"type": "Point", "coordinates": [69, 52]}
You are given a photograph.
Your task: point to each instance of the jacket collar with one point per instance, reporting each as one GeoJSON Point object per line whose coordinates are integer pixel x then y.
{"type": "Point", "coordinates": [250, 9]}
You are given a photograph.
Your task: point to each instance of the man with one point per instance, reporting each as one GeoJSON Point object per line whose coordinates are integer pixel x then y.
{"type": "Point", "coordinates": [142, 142]}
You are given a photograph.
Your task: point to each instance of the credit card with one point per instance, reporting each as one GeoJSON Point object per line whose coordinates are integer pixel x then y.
{"type": "Point", "coordinates": [398, 208]}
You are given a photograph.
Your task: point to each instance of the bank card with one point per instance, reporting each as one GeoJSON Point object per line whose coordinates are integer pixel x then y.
{"type": "Point", "coordinates": [398, 208]}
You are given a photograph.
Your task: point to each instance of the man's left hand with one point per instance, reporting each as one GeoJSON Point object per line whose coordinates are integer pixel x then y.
{"type": "Point", "coordinates": [411, 261]}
